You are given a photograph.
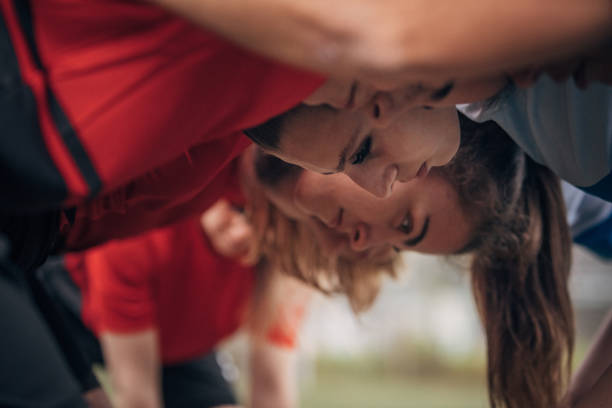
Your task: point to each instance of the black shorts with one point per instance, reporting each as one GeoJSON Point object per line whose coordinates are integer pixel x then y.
{"type": "Point", "coordinates": [33, 371]}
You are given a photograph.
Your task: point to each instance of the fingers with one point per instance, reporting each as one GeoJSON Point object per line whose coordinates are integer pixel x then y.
{"type": "Point", "coordinates": [228, 229]}
{"type": "Point", "coordinates": [583, 70]}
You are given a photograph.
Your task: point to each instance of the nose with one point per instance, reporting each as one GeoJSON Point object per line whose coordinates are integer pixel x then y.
{"type": "Point", "coordinates": [359, 239]}
{"type": "Point", "coordinates": [376, 180]}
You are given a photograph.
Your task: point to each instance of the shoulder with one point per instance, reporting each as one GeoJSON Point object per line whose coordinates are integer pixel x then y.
{"type": "Point", "coordinates": [560, 126]}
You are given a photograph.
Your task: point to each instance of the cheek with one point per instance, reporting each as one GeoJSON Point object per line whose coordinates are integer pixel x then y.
{"type": "Point", "coordinates": [331, 244]}
{"type": "Point", "coordinates": [447, 138]}
{"type": "Point", "coordinates": [311, 192]}
{"type": "Point", "coordinates": [302, 195]}
{"type": "Point", "coordinates": [287, 206]}
{"type": "Point", "coordinates": [446, 125]}
{"type": "Point", "coordinates": [420, 135]}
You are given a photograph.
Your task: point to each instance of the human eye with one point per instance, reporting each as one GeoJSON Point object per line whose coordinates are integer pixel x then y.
{"type": "Point", "coordinates": [363, 151]}
{"type": "Point", "coordinates": [406, 225]}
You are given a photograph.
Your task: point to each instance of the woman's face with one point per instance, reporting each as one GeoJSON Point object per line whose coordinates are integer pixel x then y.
{"type": "Point", "coordinates": [376, 148]}
{"type": "Point", "coordinates": [377, 137]}
{"type": "Point", "coordinates": [423, 215]}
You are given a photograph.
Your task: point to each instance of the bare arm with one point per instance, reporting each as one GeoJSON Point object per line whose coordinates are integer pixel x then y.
{"type": "Point", "coordinates": [591, 376]}
{"type": "Point", "coordinates": [134, 367]}
{"type": "Point", "coordinates": [391, 42]}
{"type": "Point", "coordinates": [276, 317]}
{"type": "Point", "coordinates": [97, 398]}
{"type": "Point", "coordinates": [600, 395]}
{"type": "Point", "coordinates": [272, 376]}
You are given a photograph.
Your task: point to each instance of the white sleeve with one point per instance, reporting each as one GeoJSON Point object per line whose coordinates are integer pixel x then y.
{"type": "Point", "coordinates": [583, 210]}
{"type": "Point", "coordinates": [560, 126]}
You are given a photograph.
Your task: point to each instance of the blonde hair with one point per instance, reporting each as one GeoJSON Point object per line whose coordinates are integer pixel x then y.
{"type": "Point", "coordinates": [287, 245]}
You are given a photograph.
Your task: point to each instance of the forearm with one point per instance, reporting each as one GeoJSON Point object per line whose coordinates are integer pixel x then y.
{"type": "Point", "coordinates": [597, 361]}
{"type": "Point", "coordinates": [133, 364]}
{"type": "Point", "coordinates": [272, 377]}
{"type": "Point", "coordinates": [97, 398]}
{"type": "Point", "coordinates": [600, 395]}
{"type": "Point", "coordinates": [391, 41]}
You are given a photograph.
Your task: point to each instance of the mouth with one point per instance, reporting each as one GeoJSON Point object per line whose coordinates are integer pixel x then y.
{"type": "Point", "coordinates": [337, 222]}
{"type": "Point", "coordinates": [423, 171]}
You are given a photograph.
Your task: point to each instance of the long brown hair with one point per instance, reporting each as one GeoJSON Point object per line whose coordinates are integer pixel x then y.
{"type": "Point", "coordinates": [521, 261]}
{"type": "Point", "coordinates": [520, 268]}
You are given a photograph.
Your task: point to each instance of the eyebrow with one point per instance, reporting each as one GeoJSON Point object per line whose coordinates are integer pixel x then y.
{"type": "Point", "coordinates": [344, 153]}
{"type": "Point", "coordinates": [442, 92]}
{"type": "Point", "coordinates": [416, 240]}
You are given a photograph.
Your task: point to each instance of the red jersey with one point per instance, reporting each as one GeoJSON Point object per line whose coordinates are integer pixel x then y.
{"type": "Point", "coordinates": [141, 91]}
{"type": "Point", "coordinates": [173, 280]}
{"type": "Point", "coordinates": [158, 199]}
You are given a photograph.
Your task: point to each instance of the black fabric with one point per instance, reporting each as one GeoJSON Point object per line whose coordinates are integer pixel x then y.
{"type": "Point", "coordinates": [603, 188]}
{"type": "Point", "coordinates": [60, 119]}
{"type": "Point", "coordinates": [59, 300]}
{"type": "Point", "coordinates": [60, 287]}
{"type": "Point", "coordinates": [32, 237]}
{"type": "Point", "coordinates": [194, 383]}
{"type": "Point", "coordinates": [24, 13]}
{"type": "Point", "coordinates": [33, 373]}
{"type": "Point", "coordinates": [74, 145]}
{"type": "Point", "coordinates": [30, 179]}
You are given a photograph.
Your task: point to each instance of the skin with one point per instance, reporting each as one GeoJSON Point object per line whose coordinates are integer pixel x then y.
{"type": "Point", "coordinates": [395, 42]}
{"type": "Point", "coordinates": [590, 385]}
{"type": "Point", "coordinates": [97, 398]}
{"type": "Point", "coordinates": [133, 363]}
{"type": "Point", "coordinates": [375, 148]}
{"type": "Point", "coordinates": [355, 94]}
{"type": "Point", "coordinates": [405, 137]}
{"type": "Point", "coordinates": [423, 215]}
{"type": "Point", "coordinates": [133, 358]}
{"type": "Point", "coordinates": [227, 229]}
{"type": "Point", "coordinates": [411, 130]}
{"type": "Point", "coordinates": [348, 219]}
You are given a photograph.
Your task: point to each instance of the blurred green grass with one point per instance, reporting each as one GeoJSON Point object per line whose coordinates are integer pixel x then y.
{"type": "Point", "coordinates": [409, 375]}
{"type": "Point", "coordinates": [374, 383]}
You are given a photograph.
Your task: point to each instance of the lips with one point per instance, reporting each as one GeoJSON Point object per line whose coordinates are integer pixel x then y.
{"type": "Point", "coordinates": [337, 222]}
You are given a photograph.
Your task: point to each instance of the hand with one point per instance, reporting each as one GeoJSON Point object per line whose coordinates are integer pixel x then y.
{"type": "Point", "coordinates": [97, 398]}
{"type": "Point", "coordinates": [593, 66]}
{"type": "Point", "coordinates": [228, 229]}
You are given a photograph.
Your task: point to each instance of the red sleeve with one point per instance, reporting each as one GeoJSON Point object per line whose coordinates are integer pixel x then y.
{"type": "Point", "coordinates": [118, 281]}
{"type": "Point", "coordinates": [141, 86]}
{"type": "Point", "coordinates": [178, 190]}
